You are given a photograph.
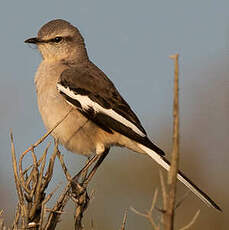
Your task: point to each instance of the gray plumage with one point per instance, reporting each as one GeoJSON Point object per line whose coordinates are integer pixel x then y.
{"type": "Point", "coordinates": [76, 132]}
{"type": "Point", "coordinates": [101, 118]}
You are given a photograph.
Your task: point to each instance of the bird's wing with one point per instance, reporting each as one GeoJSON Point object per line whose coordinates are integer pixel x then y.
{"type": "Point", "coordinates": [95, 96]}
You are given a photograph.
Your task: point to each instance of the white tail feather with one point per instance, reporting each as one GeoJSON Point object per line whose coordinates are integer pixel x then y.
{"type": "Point", "coordinates": [166, 166]}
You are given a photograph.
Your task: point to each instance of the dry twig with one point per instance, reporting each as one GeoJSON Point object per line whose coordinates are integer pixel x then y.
{"type": "Point", "coordinates": [47, 134]}
{"type": "Point", "coordinates": [2, 224]}
{"type": "Point", "coordinates": [31, 184]}
{"type": "Point", "coordinates": [124, 220]}
{"type": "Point", "coordinates": [78, 194]}
{"type": "Point", "coordinates": [172, 176]}
{"type": "Point", "coordinates": [192, 221]}
{"type": "Point", "coordinates": [148, 213]}
{"type": "Point", "coordinates": [168, 197]}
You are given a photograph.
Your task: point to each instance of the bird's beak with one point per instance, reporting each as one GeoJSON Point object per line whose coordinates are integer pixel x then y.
{"type": "Point", "coordinates": [33, 40]}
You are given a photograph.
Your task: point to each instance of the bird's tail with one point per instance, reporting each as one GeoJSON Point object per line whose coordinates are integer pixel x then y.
{"type": "Point", "coordinates": [181, 177]}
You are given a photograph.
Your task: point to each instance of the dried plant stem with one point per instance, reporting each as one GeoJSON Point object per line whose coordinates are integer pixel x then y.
{"type": "Point", "coordinates": [172, 177]}
{"type": "Point", "coordinates": [192, 221]}
{"type": "Point", "coordinates": [67, 174]}
{"type": "Point", "coordinates": [31, 184]}
{"type": "Point", "coordinates": [47, 134]}
{"type": "Point", "coordinates": [21, 210]}
{"type": "Point", "coordinates": [148, 213]}
{"type": "Point", "coordinates": [124, 220]}
{"type": "Point", "coordinates": [57, 209]}
{"type": "Point", "coordinates": [163, 190]}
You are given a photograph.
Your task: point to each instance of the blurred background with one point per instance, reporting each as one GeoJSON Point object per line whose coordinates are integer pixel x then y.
{"type": "Point", "coordinates": [130, 41]}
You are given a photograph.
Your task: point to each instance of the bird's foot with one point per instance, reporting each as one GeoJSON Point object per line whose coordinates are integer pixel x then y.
{"type": "Point", "coordinates": [81, 199]}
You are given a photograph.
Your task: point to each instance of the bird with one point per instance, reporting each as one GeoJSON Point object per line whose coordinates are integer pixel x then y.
{"type": "Point", "coordinates": [67, 81]}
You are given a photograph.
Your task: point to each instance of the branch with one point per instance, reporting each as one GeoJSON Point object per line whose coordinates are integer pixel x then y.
{"type": "Point", "coordinates": [31, 184]}
{"type": "Point", "coordinates": [172, 177]}
{"type": "Point", "coordinates": [192, 221]}
{"type": "Point", "coordinates": [124, 220]}
{"type": "Point", "coordinates": [148, 213]}
{"type": "Point", "coordinates": [47, 134]}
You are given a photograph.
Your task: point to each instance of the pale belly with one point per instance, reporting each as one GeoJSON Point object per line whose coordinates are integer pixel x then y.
{"type": "Point", "coordinates": [75, 132]}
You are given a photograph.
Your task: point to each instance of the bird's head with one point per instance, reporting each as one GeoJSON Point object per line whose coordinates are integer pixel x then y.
{"type": "Point", "coordinates": [59, 40]}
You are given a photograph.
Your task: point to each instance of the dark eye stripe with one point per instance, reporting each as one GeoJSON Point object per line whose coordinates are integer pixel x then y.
{"type": "Point", "coordinates": [56, 39]}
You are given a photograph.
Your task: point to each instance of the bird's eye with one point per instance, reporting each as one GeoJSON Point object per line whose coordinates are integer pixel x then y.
{"type": "Point", "coordinates": [57, 39]}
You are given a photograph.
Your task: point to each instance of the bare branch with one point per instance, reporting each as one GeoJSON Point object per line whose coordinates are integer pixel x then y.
{"type": "Point", "coordinates": [47, 134]}
{"type": "Point", "coordinates": [192, 221]}
{"type": "Point", "coordinates": [21, 209]}
{"type": "Point", "coordinates": [43, 209]}
{"type": "Point", "coordinates": [148, 213]}
{"type": "Point", "coordinates": [181, 200]}
{"type": "Point", "coordinates": [57, 209]}
{"type": "Point", "coordinates": [31, 184]}
{"type": "Point", "coordinates": [163, 189]}
{"type": "Point", "coordinates": [124, 220]}
{"type": "Point", "coordinates": [67, 174]}
{"type": "Point", "coordinates": [16, 178]}
{"type": "Point", "coordinates": [172, 176]}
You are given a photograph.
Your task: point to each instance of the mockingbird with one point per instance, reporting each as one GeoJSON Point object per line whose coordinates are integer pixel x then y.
{"type": "Point", "coordinates": [99, 117]}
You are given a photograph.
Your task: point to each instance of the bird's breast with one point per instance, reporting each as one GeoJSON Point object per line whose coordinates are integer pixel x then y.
{"type": "Point", "coordinates": [75, 131]}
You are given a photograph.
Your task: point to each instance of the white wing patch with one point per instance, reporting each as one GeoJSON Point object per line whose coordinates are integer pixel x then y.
{"type": "Point", "coordinates": [86, 103]}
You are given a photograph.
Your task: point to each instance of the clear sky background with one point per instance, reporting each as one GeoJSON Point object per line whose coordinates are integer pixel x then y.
{"type": "Point", "coordinates": [131, 41]}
